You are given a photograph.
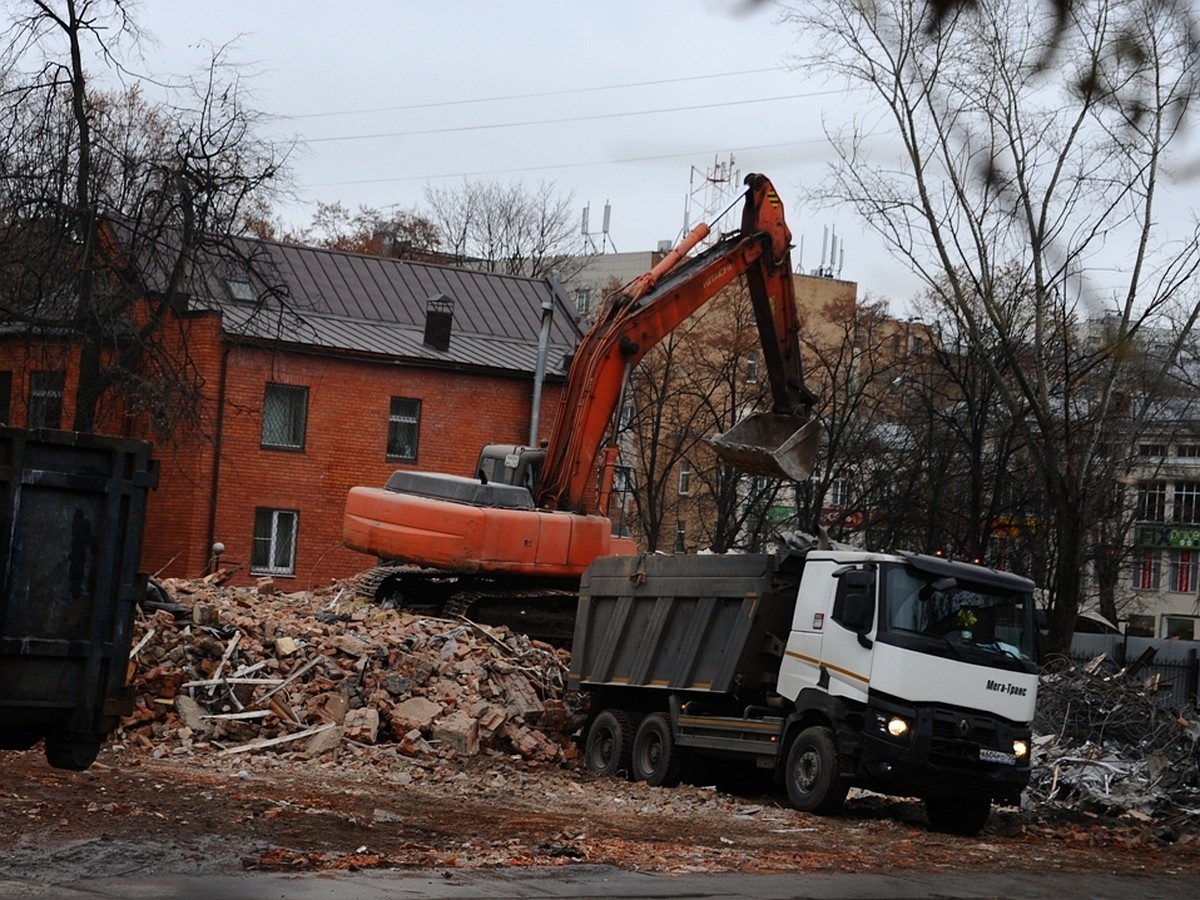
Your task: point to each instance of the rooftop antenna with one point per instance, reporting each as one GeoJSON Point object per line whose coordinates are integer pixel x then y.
{"type": "Point", "coordinates": [708, 193]}
{"type": "Point", "coordinates": [833, 254]}
{"type": "Point", "coordinates": [589, 237]}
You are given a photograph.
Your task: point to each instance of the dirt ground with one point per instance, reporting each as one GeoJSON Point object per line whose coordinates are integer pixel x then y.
{"type": "Point", "coordinates": [372, 808]}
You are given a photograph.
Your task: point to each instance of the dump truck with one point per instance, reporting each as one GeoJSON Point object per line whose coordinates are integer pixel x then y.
{"type": "Point", "coordinates": [71, 517]}
{"type": "Point", "coordinates": [529, 520]}
{"type": "Point", "coordinates": [828, 668]}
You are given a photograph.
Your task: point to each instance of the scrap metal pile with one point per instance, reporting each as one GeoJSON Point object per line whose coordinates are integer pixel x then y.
{"type": "Point", "coordinates": [239, 670]}
{"type": "Point", "coordinates": [1105, 742]}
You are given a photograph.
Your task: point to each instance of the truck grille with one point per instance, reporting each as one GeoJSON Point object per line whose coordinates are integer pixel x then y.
{"type": "Point", "coordinates": [957, 737]}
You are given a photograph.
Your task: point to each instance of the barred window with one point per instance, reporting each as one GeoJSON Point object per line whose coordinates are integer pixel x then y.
{"type": "Point", "coordinates": [838, 494]}
{"type": "Point", "coordinates": [1181, 573]}
{"type": "Point", "coordinates": [1187, 503]}
{"type": "Point", "coordinates": [404, 425]}
{"type": "Point", "coordinates": [1152, 502]}
{"type": "Point", "coordinates": [284, 412]}
{"type": "Point", "coordinates": [274, 551]}
{"type": "Point", "coordinates": [1145, 571]}
{"type": "Point", "coordinates": [46, 399]}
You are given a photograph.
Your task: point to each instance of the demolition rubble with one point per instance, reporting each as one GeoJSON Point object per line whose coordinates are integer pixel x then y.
{"type": "Point", "coordinates": [222, 672]}
{"type": "Point", "coordinates": [229, 670]}
{"type": "Point", "coordinates": [1106, 743]}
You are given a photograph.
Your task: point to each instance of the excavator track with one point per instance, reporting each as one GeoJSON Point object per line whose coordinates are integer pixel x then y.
{"type": "Point", "coordinates": [546, 613]}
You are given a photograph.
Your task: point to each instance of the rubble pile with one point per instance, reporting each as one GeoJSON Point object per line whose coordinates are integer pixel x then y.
{"type": "Point", "coordinates": [1104, 742]}
{"type": "Point", "coordinates": [240, 670]}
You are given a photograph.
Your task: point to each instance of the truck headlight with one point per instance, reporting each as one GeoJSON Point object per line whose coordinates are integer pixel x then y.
{"type": "Point", "coordinates": [1020, 748]}
{"type": "Point", "coordinates": [897, 727]}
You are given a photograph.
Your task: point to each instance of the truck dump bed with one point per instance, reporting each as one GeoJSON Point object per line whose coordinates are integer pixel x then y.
{"type": "Point", "coordinates": [698, 623]}
{"type": "Point", "coordinates": [71, 513]}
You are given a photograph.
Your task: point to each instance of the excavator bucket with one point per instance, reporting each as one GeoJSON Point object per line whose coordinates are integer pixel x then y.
{"type": "Point", "coordinates": [771, 444]}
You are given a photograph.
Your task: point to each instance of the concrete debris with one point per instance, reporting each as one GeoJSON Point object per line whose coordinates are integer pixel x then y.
{"type": "Point", "coordinates": [1105, 743]}
{"type": "Point", "coordinates": [250, 670]}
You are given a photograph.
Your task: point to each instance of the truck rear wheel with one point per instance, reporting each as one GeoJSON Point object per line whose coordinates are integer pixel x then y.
{"type": "Point", "coordinates": [609, 742]}
{"type": "Point", "coordinates": [656, 760]}
{"type": "Point", "coordinates": [814, 772]}
{"type": "Point", "coordinates": [72, 751]}
{"type": "Point", "coordinates": [958, 815]}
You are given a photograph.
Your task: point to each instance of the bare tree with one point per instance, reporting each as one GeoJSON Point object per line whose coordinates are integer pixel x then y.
{"type": "Point", "coordinates": [699, 381]}
{"type": "Point", "coordinates": [123, 201]}
{"type": "Point", "coordinates": [851, 363]}
{"type": "Point", "coordinates": [997, 166]}
{"type": "Point", "coordinates": [662, 437]}
{"type": "Point", "coordinates": [510, 228]}
{"type": "Point", "coordinates": [404, 234]}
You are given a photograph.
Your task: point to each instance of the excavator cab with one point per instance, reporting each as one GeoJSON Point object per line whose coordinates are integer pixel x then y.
{"type": "Point", "coordinates": [511, 464]}
{"type": "Point", "coordinates": [771, 444]}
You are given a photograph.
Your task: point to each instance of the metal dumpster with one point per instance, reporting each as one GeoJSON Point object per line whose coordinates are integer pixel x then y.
{"type": "Point", "coordinates": [71, 516]}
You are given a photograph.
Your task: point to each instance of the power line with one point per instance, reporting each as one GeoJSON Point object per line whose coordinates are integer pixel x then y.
{"type": "Point", "coordinates": [571, 165]}
{"type": "Point", "coordinates": [530, 96]}
{"type": "Point", "coordinates": [590, 118]}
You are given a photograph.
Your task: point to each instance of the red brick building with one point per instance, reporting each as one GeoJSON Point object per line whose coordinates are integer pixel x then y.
{"type": "Point", "coordinates": [343, 370]}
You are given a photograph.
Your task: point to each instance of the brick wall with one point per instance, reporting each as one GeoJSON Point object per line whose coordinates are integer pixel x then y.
{"type": "Point", "coordinates": [345, 444]}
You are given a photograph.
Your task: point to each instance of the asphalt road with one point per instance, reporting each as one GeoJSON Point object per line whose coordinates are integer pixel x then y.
{"type": "Point", "coordinates": [601, 882]}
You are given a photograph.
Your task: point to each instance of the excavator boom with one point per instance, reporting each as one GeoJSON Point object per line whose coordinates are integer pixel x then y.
{"type": "Point", "coordinates": [782, 443]}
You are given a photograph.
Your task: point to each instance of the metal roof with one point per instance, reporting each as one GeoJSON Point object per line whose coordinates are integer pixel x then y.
{"type": "Point", "coordinates": [370, 304]}
{"type": "Point", "coordinates": [338, 301]}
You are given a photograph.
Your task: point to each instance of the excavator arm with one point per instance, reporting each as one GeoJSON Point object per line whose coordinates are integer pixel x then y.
{"type": "Point", "coordinates": [782, 443]}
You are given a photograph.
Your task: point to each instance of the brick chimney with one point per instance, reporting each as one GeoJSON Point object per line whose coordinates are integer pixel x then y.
{"type": "Point", "coordinates": [439, 317]}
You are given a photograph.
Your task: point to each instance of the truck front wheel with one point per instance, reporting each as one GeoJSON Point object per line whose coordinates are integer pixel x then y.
{"type": "Point", "coordinates": [609, 742]}
{"type": "Point", "coordinates": [656, 760]}
{"type": "Point", "coordinates": [814, 775]}
{"type": "Point", "coordinates": [958, 815]}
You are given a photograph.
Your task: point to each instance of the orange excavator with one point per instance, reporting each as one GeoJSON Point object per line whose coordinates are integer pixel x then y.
{"type": "Point", "coordinates": [522, 526]}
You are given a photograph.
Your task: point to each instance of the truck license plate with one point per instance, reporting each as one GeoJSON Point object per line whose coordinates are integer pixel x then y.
{"type": "Point", "coordinates": [997, 756]}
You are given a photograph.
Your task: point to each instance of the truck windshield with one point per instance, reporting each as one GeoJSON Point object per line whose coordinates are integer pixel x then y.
{"type": "Point", "coordinates": [971, 621]}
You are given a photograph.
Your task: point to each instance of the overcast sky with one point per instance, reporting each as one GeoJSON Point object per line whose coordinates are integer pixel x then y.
{"type": "Point", "coordinates": [620, 102]}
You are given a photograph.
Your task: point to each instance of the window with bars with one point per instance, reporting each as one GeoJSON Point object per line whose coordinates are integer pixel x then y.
{"type": "Point", "coordinates": [1145, 571]}
{"type": "Point", "coordinates": [1181, 571]}
{"type": "Point", "coordinates": [838, 494]}
{"type": "Point", "coordinates": [274, 551]}
{"type": "Point", "coordinates": [1187, 503]}
{"type": "Point", "coordinates": [1152, 502]}
{"type": "Point", "coordinates": [404, 425]}
{"type": "Point", "coordinates": [285, 408]}
{"type": "Point", "coordinates": [46, 399]}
